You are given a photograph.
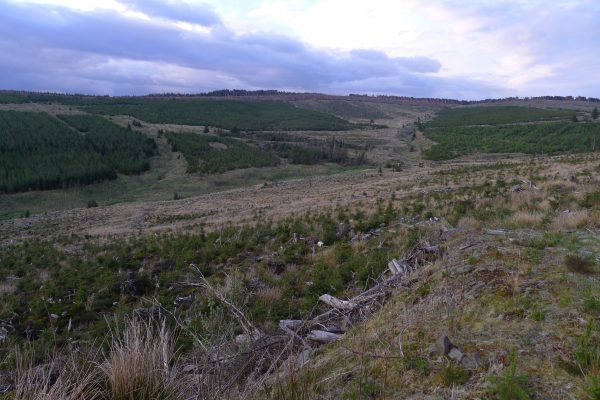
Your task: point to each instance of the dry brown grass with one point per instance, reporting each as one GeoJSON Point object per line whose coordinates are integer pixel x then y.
{"type": "Point", "coordinates": [269, 296]}
{"type": "Point", "coordinates": [56, 380]}
{"type": "Point", "coordinates": [468, 222]}
{"type": "Point", "coordinates": [575, 220]}
{"type": "Point", "coordinates": [554, 187]}
{"type": "Point", "coordinates": [142, 365]}
{"type": "Point", "coordinates": [526, 218]}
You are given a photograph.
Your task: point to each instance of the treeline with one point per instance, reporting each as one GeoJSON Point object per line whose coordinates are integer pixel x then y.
{"type": "Point", "coordinates": [542, 138]}
{"type": "Point", "coordinates": [212, 154]}
{"type": "Point", "coordinates": [38, 152]}
{"type": "Point", "coordinates": [82, 99]}
{"type": "Point", "coordinates": [495, 115]}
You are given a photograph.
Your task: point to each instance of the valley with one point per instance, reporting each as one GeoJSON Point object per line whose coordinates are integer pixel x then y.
{"type": "Point", "coordinates": [232, 233]}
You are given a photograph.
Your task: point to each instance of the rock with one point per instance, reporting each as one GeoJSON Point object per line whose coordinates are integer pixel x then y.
{"type": "Point", "coordinates": [456, 355]}
{"type": "Point", "coordinates": [444, 345]}
{"type": "Point", "coordinates": [3, 334]}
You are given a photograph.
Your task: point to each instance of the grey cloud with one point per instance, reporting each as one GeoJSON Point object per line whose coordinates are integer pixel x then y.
{"type": "Point", "coordinates": [54, 48]}
{"type": "Point", "coordinates": [175, 10]}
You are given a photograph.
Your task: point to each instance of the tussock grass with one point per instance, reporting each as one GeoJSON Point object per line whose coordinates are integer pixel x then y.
{"type": "Point", "coordinates": [57, 380]}
{"type": "Point", "coordinates": [575, 220]}
{"type": "Point", "coordinates": [141, 364]}
{"type": "Point", "coordinates": [526, 218]}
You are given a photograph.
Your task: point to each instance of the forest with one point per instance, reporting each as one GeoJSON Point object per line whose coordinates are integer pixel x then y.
{"type": "Point", "coordinates": [39, 152]}
{"type": "Point", "coordinates": [213, 154]}
{"type": "Point", "coordinates": [542, 138]}
{"type": "Point", "coordinates": [495, 115]}
{"type": "Point", "coordinates": [227, 114]}
{"type": "Point", "coordinates": [126, 150]}
{"type": "Point", "coordinates": [312, 153]}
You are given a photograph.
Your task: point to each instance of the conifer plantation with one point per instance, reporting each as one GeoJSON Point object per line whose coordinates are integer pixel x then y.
{"type": "Point", "coordinates": [40, 152]}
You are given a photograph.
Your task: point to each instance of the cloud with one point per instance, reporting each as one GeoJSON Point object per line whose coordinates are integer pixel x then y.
{"type": "Point", "coordinates": [175, 10]}
{"type": "Point", "coordinates": [86, 51]}
{"type": "Point", "coordinates": [484, 49]}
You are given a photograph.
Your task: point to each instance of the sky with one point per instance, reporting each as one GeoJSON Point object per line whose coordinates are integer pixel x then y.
{"type": "Point", "coordinates": [462, 49]}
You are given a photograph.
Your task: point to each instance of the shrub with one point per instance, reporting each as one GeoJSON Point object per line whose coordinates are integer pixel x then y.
{"type": "Point", "coordinates": [591, 304]}
{"type": "Point", "coordinates": [453, 375]}
{"type": "Point", "coordinates": [510, 386]}
{"type": "Point", "coordinates": [578, 264]}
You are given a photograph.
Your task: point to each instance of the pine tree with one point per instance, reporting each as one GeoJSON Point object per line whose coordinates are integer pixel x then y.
{"type": "Point", "coordinates": [595, 113]}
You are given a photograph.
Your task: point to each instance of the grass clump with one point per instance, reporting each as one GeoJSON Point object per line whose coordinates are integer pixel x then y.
{"type": "Point", "coordinates": [71, 380]}
{"type": "Point", "coordinates": [141, 364]}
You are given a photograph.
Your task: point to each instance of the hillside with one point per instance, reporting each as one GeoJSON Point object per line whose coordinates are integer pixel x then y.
{"type": "Point", "coordinates": [276, 265]}
{"type": "Point", "coordinates": [509, 129]}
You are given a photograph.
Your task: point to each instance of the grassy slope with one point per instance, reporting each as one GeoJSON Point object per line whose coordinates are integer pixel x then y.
{"type": "Point", "coordinates": [529, 300]}
{"type": "Point", "coordinates": [492, 294]}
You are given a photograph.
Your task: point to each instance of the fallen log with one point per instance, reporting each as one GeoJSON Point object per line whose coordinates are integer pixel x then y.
{"type": "Point", "coordinates": [379, 290]}
{"type": "Point", "coordinates": [323, 336]}
{"type": "Point", "coordinates": [337, 303]}
{"type": "Point", "coordinates": [398, 267]}
{"type": "Point", "coordinates": [291, 324]}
